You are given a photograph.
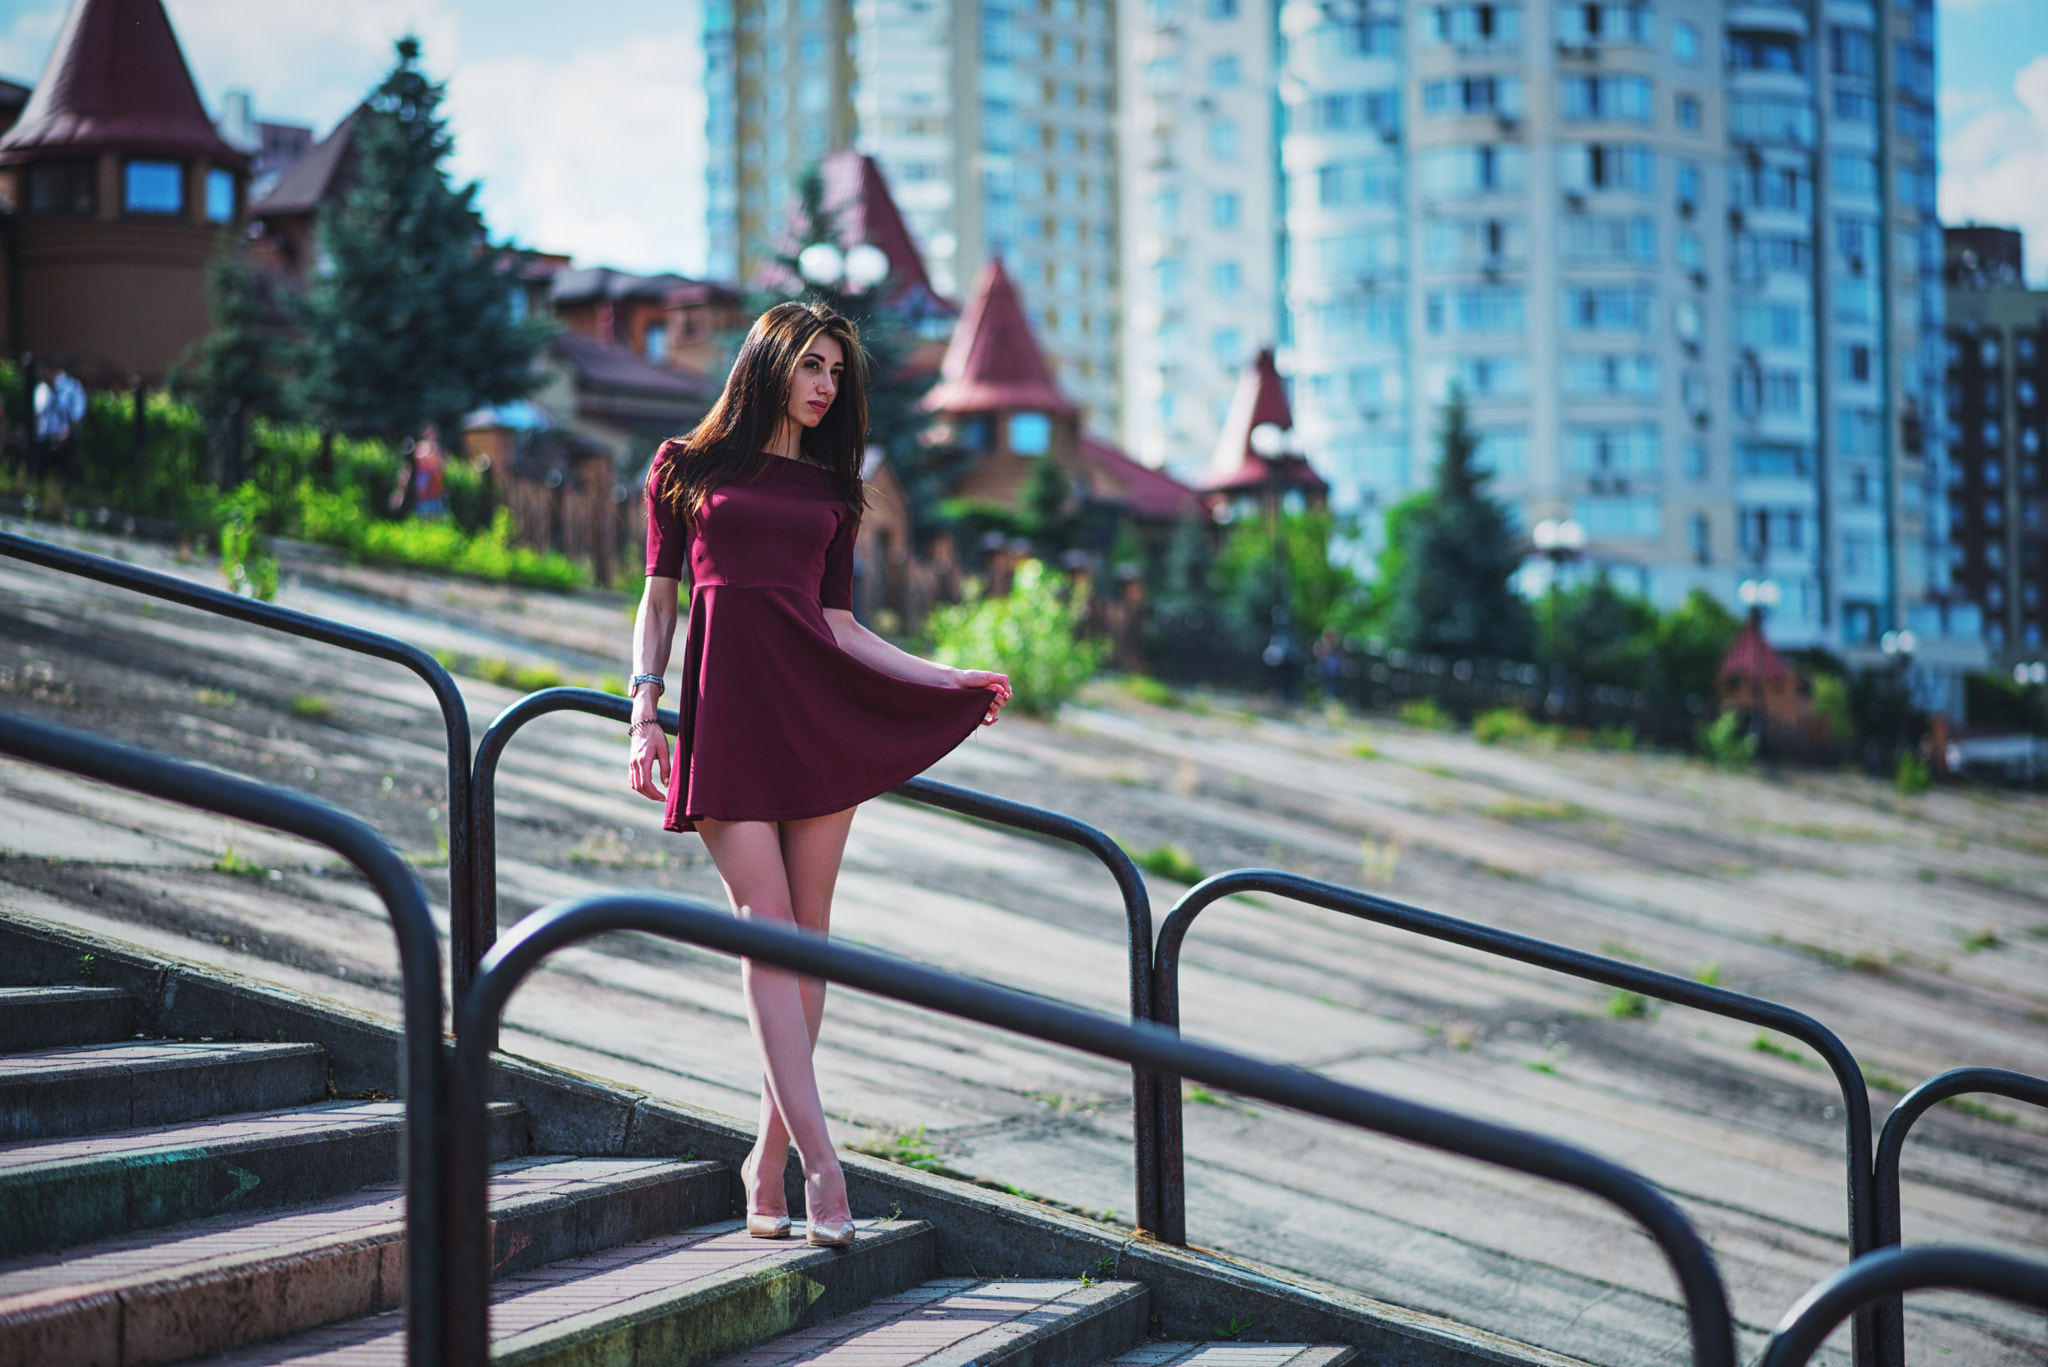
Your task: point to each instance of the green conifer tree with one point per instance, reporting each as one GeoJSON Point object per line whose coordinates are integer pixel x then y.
{"type": "Point", "coordinates": [1459, 554]}
{"type": "Point", "coordinates": [414, 320]}
{"type": "Point", "coordinates": [237, 371]}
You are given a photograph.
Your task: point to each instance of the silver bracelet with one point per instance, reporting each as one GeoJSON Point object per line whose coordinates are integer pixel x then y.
{"type": "Point", "coordinates": [660, 687]}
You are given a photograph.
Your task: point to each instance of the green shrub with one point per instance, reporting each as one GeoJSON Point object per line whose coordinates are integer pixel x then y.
{"type": "Point", "coordinates": [1169, 861]}
{"type": "Point", "coordinates": [1728, 742]}
{"type": "Point", "coordinates": [247, 565]}
{"type": "Point", "coordinates": [1426, 715]}
{"type": "Point", "coordinates": [1831, 706]}
{"type": "Point", "coordinates": [1912, 776]}
{"type": "Point", "coordinates": [1503, 723]}
{"type": "Point", "coordinates": [1032, 635]}
{"type": "Point", "coordinates": [1149, 690]}
{"type": "Point", "coordinates": [440, 545]}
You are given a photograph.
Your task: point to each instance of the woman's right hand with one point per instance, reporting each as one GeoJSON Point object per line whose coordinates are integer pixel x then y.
{"type": "Point", "coordinates": [649, 758]}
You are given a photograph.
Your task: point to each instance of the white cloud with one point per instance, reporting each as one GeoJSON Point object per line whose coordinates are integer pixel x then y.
{"type": "Point", "coordinates": [1995, 162]}
{"type": "Point", "coordinates": [307, 61]}
{"type": "Point", "coordinates": [599, 154]}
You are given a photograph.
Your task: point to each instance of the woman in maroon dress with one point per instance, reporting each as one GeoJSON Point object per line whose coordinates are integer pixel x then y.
{"type": "Point", "coordinates": [792, 712]}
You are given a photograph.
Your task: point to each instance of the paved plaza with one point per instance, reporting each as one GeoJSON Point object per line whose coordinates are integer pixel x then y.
{"type": "Point", "coordinates": [1915, 927]}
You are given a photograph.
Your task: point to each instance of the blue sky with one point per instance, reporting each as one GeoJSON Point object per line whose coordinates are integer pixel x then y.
{"type": "Point", "coordinates": [585, 121]}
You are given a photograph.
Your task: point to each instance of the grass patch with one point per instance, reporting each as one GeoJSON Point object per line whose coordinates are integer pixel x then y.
{"type": "Point", "coordinates": [1708, 974]}
{"type": "Point", "coordinates": [1971, 1106]}
{"type": "Point", "coordinates": [1987, 938]}
{"type": "Point", "coordinates": [1543, 1066]}
{"type": "Point", "coordinates": [1363, 749]}
{"type": "Point", "coordinates": [1509, 724]}
{"type": "Point", "coordinates": [1623, 1004]}
{"type": "Point", "coordinates": [312, 707]}
{"type": "Point", "coordinates": [1147, 689]}
{"type": "Point", "coordinates": [214, 697]}
{"type": "Point", "coordinates": [1883, 1081]}
{"type": "Point", "coordinates": [1768, 1043]}
{"type": "Point", "coordinates": [1200, 1095]}
{"type": "Point", "coordinates": [909, 1149]}
{"type": "Point", "coordinates": [1548, 809]}
{"type": "Point", "coordinates": [1169, 861]}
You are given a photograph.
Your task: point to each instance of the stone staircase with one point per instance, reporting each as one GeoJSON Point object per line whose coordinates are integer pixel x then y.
{"type": "Point", "coordinates": [165, 1200]}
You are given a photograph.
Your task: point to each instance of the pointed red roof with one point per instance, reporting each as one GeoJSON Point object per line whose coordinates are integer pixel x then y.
{"type": "Point", "coordinates": [1114, 477]}
{"type": "Point", "coordinates": [1261, 400]}
{"type": "Point", "coordinates": [1751, 655]}
{"type": "Point", "coordinates": [858, 203]}
{"type": "Point", "coordinates": [117, 81]}
{"type": "Point", "coordinates": [993, 361]}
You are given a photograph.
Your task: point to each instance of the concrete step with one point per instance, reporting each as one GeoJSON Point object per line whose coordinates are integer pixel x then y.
{"type": "Point", "coordinates": [51, 1093]}
{"type": "Point", "coordinates": [48, 1017]}
{"type": "Point", "coordinates": [58, 1192]}
{"type": "Point", "coordinates": [683, 1300]}
{"type": "Point", "coordinates": [961, 1322]}
{"type": "Point", "coordinates": [211, 1285]}
{"type": "Point", "coordinates": [1163, 1354]}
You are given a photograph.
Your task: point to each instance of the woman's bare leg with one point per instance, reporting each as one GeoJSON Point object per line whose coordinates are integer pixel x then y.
{"type": "Point", "coordinates": [786, 873]}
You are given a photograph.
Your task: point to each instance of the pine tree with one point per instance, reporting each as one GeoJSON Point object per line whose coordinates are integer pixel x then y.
{"type": "Point", "coordinates": [238, 370]}
{"type": "Point", "coordinates": [414, 320]}
{"type": "Point", "coordinates": [1459, 554]}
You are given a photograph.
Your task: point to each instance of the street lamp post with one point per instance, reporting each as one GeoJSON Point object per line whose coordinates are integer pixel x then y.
{"type": "Point", "coordinates": [1898, 647]}
{"type": "Point", "coordinates": [1759, 596]}
{"type": "Point", "coordinates": [1560, 541]}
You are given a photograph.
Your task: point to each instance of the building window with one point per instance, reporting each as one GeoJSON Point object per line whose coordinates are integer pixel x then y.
{"type": "Point", "coordinates": [1696, 460]}
{"type": "Point", "coordinates": [1685, 43]}
{"type": "Point", "coordinates": [1224, 72]}
{"type": "Point", "coordinates": [1767, 51]}
{"type": "Point", "coordinates": [1502, 451]}
{"type": "Point", "coordinates": [1688, 186]}
{"type": "Point", "coordinates": [1030, 434]}
{"type": "Point", "coordinates": [1225, 208]}
{"type": "Point", "coordinates": [1611, 452]}
{"type": "Point", "coordinates": [1226, 278]}
{"type": "Point", "coordinates": [1609, 22]}
{"type": "Point", "coordinates": [1852, 53]}
{"type": "Point", "coordinates": [1856, 363]}
{"type": "Point", "coordinates": [220, 196]}
{"type": "Point", "coordinates": [1470, 312]}
{"type": "Point", "coordinates": [1222, 9]}
{"type": "Point", "coordinates": [1702, 540]}
{"type": "Point", "coordinates": [153, 187]}
{"type": "Point", "coordinates": [1607, 97]}
{"type": "Point", "coordinates": [1223, 140]}
{"type": "Point", "coordinates": [1610, 308]}
{"type": "Point", "coordinates": [655, 344]}
{"type": "Point", "coordinates": [1689, 113]}
{"type": "Point", "coordinates": [63, 187]}
{"type": "Point", "coordinates": [1604, 167]}
{"type": "Point", "coordinates": [1227, 346]}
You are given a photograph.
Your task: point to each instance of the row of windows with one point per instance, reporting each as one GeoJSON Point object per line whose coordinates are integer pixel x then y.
{"type": "Point", "coordinates": [2025, 393]}
{"type": "Point", "coordinates": [1226, 278]}
{"type": "Point", "coordinates": [1226, 209]}
{"type": "Point", "coordinates": [1493, 24]}
{"type": "Point", "coordinates": [148, 187]}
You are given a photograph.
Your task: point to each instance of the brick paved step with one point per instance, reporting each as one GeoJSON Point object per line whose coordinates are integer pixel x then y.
{"type": "Point", "coordinates": [682, 1300]}
{"type": "Point", "coordinates": [47, 1017]}
{"type": "Point", "coordinates": [51, 1093]}
{"type": "Point", "coordinates": [1236, 1355]}
{"type": "Point", "coordinates": [211, 1285]}
{"type": "Point", "coordinates": [960, 1322]}
{"type": "Point", "coordinates": [58, 1192]}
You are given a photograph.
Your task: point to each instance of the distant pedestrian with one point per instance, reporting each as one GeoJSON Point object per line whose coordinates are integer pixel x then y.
{"type": "Point", "coordinates": [60, 407]}
{"type": "Point", "coordinates": [429, 475]}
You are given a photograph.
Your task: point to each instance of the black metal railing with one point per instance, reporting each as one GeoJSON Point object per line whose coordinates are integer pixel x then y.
{"type": "Point", "coordinates": [1890, 1315]}
{"type": "Point", "coordinates": [419, 961]}
{"type": "Point", "coordinates": [1436, 926]}
{"type": "Point", "coordinates": [462, 950]}
{"type": "Point", "coordinates": [1887, 1274]}
{"type": "Point", "coordinates": [1144, 1047]}
{"type": "Point", "coordinates": [965, 801]}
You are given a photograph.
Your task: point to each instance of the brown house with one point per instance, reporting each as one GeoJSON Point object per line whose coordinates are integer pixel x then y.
{"type": "Point", "coordinates": [120, 190]}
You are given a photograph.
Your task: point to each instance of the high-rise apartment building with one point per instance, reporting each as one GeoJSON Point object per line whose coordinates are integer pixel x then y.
{"type": "Point", "coordinates": [995, 123]}
{"type": "Point", "coordinates": [1997, 358]}
{"type": "Point", "coordinates": [1200, 216]}
{"type": "Point", "coordinates": [1680, 258]}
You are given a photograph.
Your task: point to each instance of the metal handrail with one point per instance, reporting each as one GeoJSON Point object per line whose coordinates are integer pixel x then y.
{"type": "Point", "coordinates": [1130, 884]}
{"type": "Point", "coordinates": [1142, 1046]}
{"type": "Point", "coordinates": [462, 953]}
{"type": "Point", "coordinates": [1890, 1315]}
{"type": "Point", "coordinates": [1541, 953]}
{"type": "Point", "coordinates": [419, 960]}
{"type": "Point", "coordinates": [1887, 1274]}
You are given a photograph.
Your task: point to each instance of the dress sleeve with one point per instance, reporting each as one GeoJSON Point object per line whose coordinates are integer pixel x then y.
{"type": "Point", "coordinates": [668, 539]}
{"type": "Point", "coordinates": [836, 589]}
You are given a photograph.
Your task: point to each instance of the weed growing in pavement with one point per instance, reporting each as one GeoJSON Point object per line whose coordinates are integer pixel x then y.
{"type": "Point", "coordinates": [1767, 1043]}
{"type": "Point", "coordinates": [1149, 690]}
{"type": "Point", "coordinates": [1169, 861]}
{"type": "Point", "coordinates": [1912, 776]}
{"type": "Point", "coordinates": [1708, 974]}
{"type": "Point", "coordinates": [1728, 743]}
{"type": "Point", "coordinates": [230, 862]}
{"type": "Point", "coordinates": [1971, 1106]}
{"type": "Point", "coordinates": [86, 964]}
{"type": "Point", "coordinates": [1200, 1095]}
{"type": "Point", "coordinates": [213, 697]}
{"type": "Point", "coordinates": [1883, 1081]}
{"type": "Point", "coordinates": [1379, 860]}
{"type": "Point", "coordinates": [1549, 809]}
{"type": "Point", "coordinates": [1231, 1328]}
{"type": "Point", "coordinates": [1987, 938]}
{"type": "Point", "coordinates": [1623, 1004]}
{"type": "Point", "coordinates": [312, 707]}
{"type": "Point", "coordinates": [1543, 1066]}
{"type": "Point", "coordinates": [1364, 749]}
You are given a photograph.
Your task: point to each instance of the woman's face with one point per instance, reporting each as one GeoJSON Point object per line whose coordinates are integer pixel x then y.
{"type": "Point", "coordinates": [817, 381]}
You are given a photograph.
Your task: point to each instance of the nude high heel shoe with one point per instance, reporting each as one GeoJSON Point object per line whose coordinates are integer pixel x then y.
{"type": "Point", "coordinates": [823, 1234]}
{"type": "Point", "coordinates": [763, 1226]}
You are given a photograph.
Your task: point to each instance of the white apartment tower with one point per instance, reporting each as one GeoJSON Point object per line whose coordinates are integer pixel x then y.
{"type": "Point", "coordinates": [995, 123]}
{"type": "Point", "coordinates": [1201, 224]}
{"type": "Point", "coordinates": [1680, 257]}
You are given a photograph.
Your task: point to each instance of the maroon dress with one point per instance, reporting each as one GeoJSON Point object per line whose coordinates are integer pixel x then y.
{"type": "Point", "coordinates": [779, 723]}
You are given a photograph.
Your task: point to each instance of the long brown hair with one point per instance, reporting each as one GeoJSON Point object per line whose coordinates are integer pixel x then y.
{"type": "Point", "coordinates": [730, 446]}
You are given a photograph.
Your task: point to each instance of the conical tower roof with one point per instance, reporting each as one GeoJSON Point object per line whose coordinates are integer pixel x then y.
{"type": "Point", "coordinates": [1260, 401]}
{"type": "Point", "coordinates": [117, 81]}
{"type": "Point", "coordinates": [993, 361]}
